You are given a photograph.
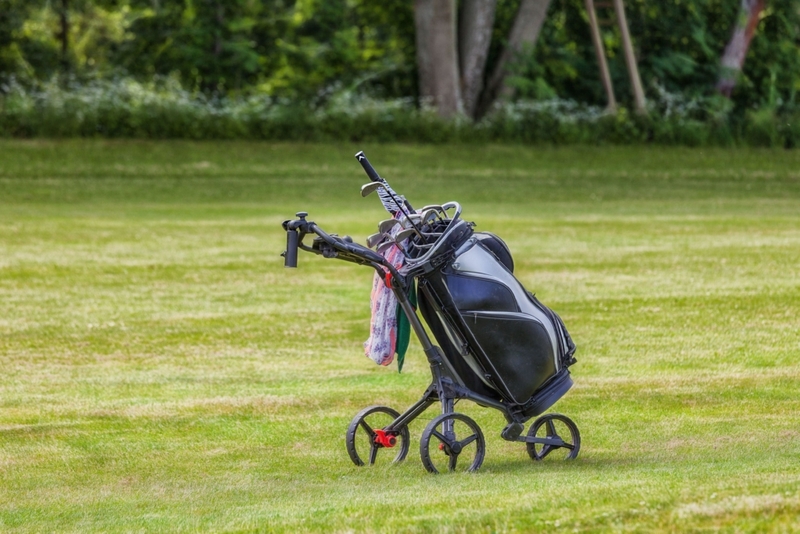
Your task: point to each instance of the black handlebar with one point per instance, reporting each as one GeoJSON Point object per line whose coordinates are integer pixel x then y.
{"type": "Point", "coordinates": [361, 252]}
{"type": "Point", "coordinates": [329, 246]}
{"type": "Point", "coordinates": [368, 168]}
{"type": "Point", "coordinates": [290, 256]}
{"type": "Point", "coordinates": [293, 238]}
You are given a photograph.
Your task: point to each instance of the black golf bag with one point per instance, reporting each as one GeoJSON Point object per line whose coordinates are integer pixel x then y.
{"type": "Point", "coordinates": [500, 339]}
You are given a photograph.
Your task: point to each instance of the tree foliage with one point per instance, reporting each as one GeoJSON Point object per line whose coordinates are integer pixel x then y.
{"type": "Point", "coordinates": [308, 50]}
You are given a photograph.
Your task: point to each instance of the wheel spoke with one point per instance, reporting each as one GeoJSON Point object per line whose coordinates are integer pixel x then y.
{"type": "Point", "coordinates": [367, 429]}
{"type": "Point", "coordinates": [468, 440]}
{"type": "Point", "coordinates": [440, 437]}
{"type": "Point", "coordinates": [452, 463]}
{"type": "Point", "coordinates": [373, 453]}
{"type": "Point", "coordinates": [557, 442]}
{"type": "Point", "coordinates": [551, 428]}
{"type": "Point", "coordinates": [547, 449]}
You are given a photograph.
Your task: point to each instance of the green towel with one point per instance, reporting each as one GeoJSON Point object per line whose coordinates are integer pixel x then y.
{"type": "Point", "coordinates": [404, 329]}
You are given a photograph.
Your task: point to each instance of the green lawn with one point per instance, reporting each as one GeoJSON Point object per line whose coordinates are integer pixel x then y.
{"type": "Point", "coordinates": [162, 371]}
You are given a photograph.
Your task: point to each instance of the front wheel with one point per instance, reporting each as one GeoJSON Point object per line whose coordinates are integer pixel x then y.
{"type": "Point", "coordinates": [366, 437]}
{"type": "Point", "coordinates": [554, 432]}
{"type": "Point", "coordinates": [452, 442]}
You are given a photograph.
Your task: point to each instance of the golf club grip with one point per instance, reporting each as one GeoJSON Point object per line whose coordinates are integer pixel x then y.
{"type": "Point", "coordinates": [290, 256]}
{"type": "Point", "coordinates": [368, 168]}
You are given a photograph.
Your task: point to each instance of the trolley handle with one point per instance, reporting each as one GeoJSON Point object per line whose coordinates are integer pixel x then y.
{"type": "Point", "coordinates": [295, 230]}
{"type": "Point", "coordinates": [346, 246]}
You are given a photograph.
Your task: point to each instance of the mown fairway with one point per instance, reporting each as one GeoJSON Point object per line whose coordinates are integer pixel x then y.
{"type": "Point", "coordinates": [160, 370]}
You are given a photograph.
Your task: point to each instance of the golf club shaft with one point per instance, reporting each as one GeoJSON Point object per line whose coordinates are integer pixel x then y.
{"type": "Point", "coordinates": [375, 177]}
{"type": "Point", "coordinates": [368, 168]}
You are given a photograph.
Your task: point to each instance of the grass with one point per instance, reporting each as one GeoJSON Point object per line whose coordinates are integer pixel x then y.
{"type": "Point", "coordinates": [162, 371]}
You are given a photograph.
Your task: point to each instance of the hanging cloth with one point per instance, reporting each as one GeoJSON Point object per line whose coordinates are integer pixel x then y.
{"type": "Point", "coordinates": [388, 335]}
{"type": "Point", "coordinates": [404, 328]}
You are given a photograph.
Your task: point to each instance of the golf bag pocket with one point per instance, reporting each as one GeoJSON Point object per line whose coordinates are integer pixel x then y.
{"type": "Point", "coordinates": [517, 347]}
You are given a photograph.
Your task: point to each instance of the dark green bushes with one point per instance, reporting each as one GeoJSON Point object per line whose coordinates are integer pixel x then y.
{"type": "Point", "coordinates": [163, 110]}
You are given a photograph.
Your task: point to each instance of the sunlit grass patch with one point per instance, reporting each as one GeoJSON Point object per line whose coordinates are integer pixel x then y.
{"type": "Point", "coordinates": [162, 371]}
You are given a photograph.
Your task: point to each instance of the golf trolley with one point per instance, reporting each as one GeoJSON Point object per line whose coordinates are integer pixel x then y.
{"type": "Point", "coordinates": [498, 346]}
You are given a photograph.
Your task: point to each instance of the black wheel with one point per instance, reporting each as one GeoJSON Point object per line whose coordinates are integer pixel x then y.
{"type": "Point", "coordinates": [561, 433]}
{"type": "Point", "coordinates": [365, 437]}
{"type": "Point", "coordinates": [452, 442]}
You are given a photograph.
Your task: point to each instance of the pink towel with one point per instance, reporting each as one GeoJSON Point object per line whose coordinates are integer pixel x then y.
{"type": "Point", "coordinates": [381, 345]}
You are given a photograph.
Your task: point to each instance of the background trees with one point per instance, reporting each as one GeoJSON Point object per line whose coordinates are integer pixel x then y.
{"type": "Point", "coordinates": [453, 46]}
{"type": "Point", "coordinates": [458, 56]}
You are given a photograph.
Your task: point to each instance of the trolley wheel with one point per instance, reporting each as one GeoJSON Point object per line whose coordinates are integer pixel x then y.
{"type": "Point", "coordinates": [562, 430]}
{"type": "Point", "coordinates": [450, 438]}
{"type": "Point", "coordinates": [365, 436]}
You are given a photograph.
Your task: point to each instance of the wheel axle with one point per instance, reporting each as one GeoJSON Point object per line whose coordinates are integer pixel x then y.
{"type": "Point", "coordinates": [385, 439]}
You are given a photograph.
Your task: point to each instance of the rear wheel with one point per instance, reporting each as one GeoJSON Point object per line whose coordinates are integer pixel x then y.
{"type": "Point", "coordinates": [563, 440]}
{"type": "Point", "coordinates": [452, 442]}
{"type": "Point", "coordinates": [367, 441]}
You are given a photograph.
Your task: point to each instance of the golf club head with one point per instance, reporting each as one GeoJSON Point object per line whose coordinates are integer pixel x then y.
{"type": "Point", "coordinates": [384, 246]}
{"type": "Point", "coordinates": [368, 189]}
{"type": "Point", "coordinates": [386, 226]}
{"type": "Point", "coordinates": [428, 215]}
{"type": "Point", "coordinates": [404, 234]}
{"type": "Point", "coordinates": [374, 239]}
{"type": "Point", "coordinates": [412, 219]}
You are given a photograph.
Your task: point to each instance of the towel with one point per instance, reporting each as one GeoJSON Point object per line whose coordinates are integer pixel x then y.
{"type": "Point", "coordinates": [384, 340]}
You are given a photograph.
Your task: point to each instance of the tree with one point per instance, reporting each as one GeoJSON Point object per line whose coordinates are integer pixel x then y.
{"type": "Point", "coordinates": [524, 34]}
{"type": "Point", "coordinates": [736, 50]}
{"type": "Point", "coordinates": [477, 19]}
{"type": "Point", "coordinates": [63, 33]}
{"type": "Point", "coordinates": [461, 55]}
{"type": "Point", "coordinates": [14, 60]}
{"type": "Point", "coordinates": [208, 42]}
{"type": "Point", "coordinates": [437, 55]}
{"type": "Point", "coordinates": [452, 53]}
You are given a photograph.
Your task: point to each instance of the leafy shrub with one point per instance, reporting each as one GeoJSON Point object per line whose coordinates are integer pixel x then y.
{"type": "Point", "coordinates": [163, 109]}
{"type": "Point", "coordinates": [761, 128]}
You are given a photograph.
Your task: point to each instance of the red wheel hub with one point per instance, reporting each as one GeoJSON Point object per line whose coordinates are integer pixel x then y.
{"type": "Point", "coordinates": [386, 439]}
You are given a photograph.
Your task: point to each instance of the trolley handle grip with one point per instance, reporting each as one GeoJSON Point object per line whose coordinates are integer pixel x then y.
{"type": "Point", "coordinates": [293, 238]}
{"type": "Point", "coordinates": [290, 255]}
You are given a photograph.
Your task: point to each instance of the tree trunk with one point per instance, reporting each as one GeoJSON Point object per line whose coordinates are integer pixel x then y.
{"type": "Point", "coordinates": [630, 58]}
{"type": "Point", "coordinates": [524, 32]}
{"type": "Point", "coordinates": [63, 34]}
{"type": "Point", "coordinates": [220, 29]}
{"type": "Point", "coordinates": [475, 35]}
{"type": "Point", "coordinates": [600, 54]}
{"type": "Point", "coordinates": [733, 58]}
{"type": "Point", "coordinates": [437, 56]}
